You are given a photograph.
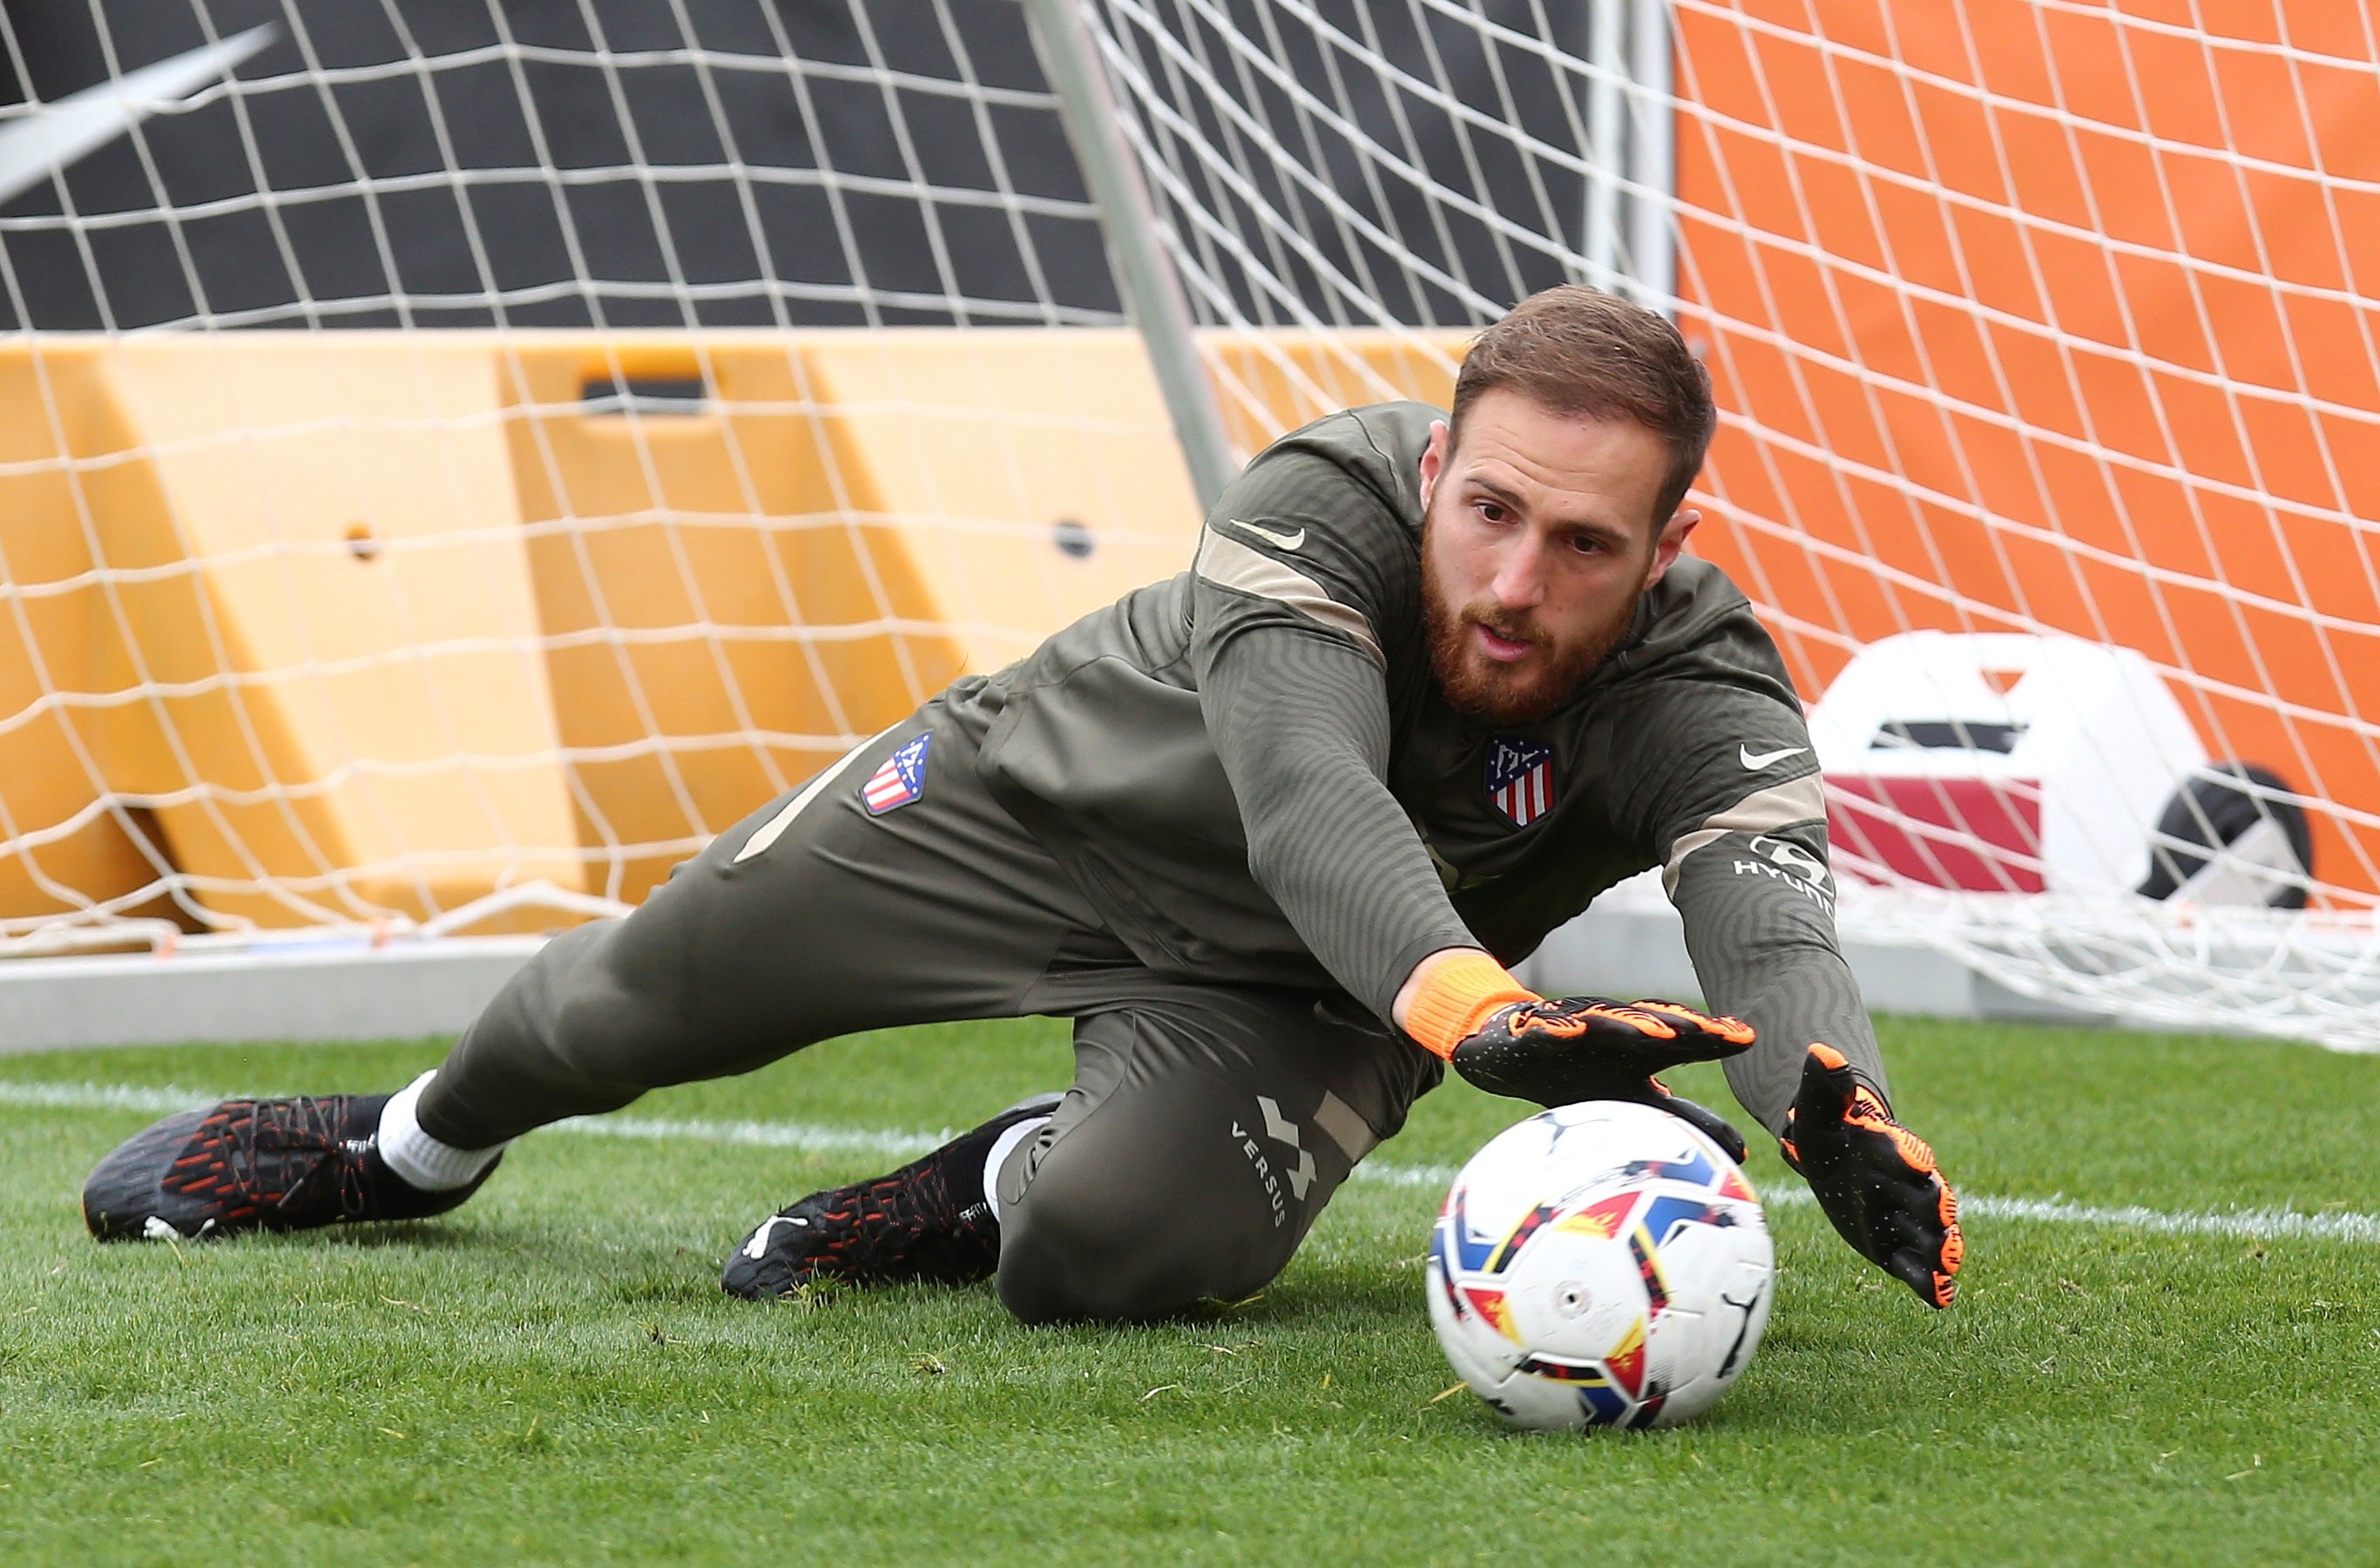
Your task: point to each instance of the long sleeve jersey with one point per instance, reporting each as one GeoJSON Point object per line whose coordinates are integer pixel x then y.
{"type": "Point", "coordinates": [1253, 775]}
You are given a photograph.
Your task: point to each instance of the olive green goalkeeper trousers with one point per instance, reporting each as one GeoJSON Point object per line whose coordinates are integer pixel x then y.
{"type": "Point", "coordinates": [1206, 1127]}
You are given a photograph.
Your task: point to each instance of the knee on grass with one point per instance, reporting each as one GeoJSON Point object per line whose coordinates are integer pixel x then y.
{"type": "Point", "coordinates": [1086, 1258]}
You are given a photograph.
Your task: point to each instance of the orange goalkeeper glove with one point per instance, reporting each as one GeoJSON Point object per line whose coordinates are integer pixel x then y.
{"type": "Point", "coordinates": [1875, 1178]}
{"type": "Point", "coordinates": [1509, 1041]}
{"type": "Point", "coordinates": [1588, 1048]}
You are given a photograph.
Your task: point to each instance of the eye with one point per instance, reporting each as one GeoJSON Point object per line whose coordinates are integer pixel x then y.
{"type": "Point", "coordinates": [1586, 544]}
{"type": "Point", "coordinates": [1493, 512]}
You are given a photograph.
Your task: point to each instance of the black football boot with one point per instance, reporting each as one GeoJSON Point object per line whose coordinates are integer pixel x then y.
{"type": "Point", "coordinates": [255, 1165]}
{"type": "Point", "coordinates": [928, 1220]}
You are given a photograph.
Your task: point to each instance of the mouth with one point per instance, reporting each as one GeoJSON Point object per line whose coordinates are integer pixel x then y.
{"type": "Point", "coordinates": [1496, 646]}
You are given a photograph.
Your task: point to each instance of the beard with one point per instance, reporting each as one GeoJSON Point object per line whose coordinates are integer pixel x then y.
{"type": "Point", "coordinates": [1503, 694]}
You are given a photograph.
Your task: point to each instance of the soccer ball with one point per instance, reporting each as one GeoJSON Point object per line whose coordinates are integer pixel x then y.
{"type": "Point", "coordinates": [1601, 1265]}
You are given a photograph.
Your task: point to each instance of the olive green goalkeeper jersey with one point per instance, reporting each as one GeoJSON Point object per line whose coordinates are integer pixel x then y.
{"type": "Point", "coordinates": [1252, 774]}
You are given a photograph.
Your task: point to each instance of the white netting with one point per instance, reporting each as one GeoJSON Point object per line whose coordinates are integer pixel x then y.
{"type": "Point", "coordinates": [2042, 324]}
{"type": "Point", "coordinates": [458, 458]}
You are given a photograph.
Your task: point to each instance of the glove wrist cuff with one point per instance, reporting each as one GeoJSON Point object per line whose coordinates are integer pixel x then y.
{"type": "Point", "coordinates": [1456, 997]}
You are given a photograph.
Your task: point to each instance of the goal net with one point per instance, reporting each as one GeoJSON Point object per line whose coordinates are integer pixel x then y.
{"type": "Point", "coordinates": [462, 458]}
{"type": "Point", "coordinates": [459, 458]}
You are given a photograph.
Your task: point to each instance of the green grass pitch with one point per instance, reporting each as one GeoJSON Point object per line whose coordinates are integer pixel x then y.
{"type": "Point", "coordinates": [552, 1375]}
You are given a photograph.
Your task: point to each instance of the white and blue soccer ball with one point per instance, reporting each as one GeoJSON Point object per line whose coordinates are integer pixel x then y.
{"type": "Point", "coordinates": [1601, 1265]}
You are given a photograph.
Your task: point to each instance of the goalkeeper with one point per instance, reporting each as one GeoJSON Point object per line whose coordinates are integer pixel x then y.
{"type": "Point", "coordinates": [1267, 834]}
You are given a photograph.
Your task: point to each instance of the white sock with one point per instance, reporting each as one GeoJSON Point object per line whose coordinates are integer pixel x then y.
{"type": "Point", "coordinates": [418, 1159]}
{"type": "Point", "coordinates": [1001, 1148]}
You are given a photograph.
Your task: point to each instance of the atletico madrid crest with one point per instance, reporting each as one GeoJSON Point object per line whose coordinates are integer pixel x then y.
{"type": "Point", "coordinates": [1521, 778]}
{"type": "Point", "coordinates": [900, 780]}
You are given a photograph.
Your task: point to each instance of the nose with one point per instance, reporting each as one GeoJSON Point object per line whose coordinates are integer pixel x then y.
{"type": "Point", "coordinates": [1519, 583]}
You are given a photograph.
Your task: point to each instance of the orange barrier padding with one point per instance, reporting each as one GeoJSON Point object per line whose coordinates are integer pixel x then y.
{"type": "Point", "coordinates": [64, 845]}
{"type": "Point", "coordinates": [2007, 337]}
{"type": "Point", "coordinates": [692, 568]}
{"type": "Point", "coordinates": [1037, 473]}
{"type": "Point", "coordinates": [1268, 383]}
{"type": "Point", "coordinates": [276, 607]}
{"type": "Point", "coordinates": [348, 624]}
{"type": "Point", "coordinates": [338, 618]}
{"type": "Point", "coordinates": [345, 624]}
{"type": "Point", "coordinates": [830, 530]}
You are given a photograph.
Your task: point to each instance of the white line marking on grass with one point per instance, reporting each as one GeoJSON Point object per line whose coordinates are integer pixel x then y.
{"type": "Point", "coordinates": [2247, 1224]}
{"type": "Point", "coordinates": [105, 1096]}
{"type": "Point", "coordinates": [2252, 1224]}
{"type": "Point", "coordinates": [760, 1134]}
{"type": "Point", "coordinates": [167, 1100]}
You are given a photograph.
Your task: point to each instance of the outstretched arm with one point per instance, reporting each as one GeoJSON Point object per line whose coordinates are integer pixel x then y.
{"type": "Point", "coordinates": [1303, 739]}
{"type": "Point", "coordinates": [1758, 904]}
{"type": "Point", "coordinates": [1302, 584]}
{"type": "Point", "coordinates": [1759, 916]}
{"type": "Point", "coordinates": [1300, 723]}
{"type": "Point", "coordinates": [1302, 589]}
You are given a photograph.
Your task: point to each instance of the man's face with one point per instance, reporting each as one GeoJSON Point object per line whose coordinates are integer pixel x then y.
{"type": "Point", "coordinates": [1537, 539]}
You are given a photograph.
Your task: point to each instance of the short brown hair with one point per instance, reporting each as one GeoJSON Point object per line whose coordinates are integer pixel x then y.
{"type": "Point", "coordinates": [1577, 350]}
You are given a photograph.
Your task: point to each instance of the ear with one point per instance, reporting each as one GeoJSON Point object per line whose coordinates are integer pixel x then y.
{"type": "Point", "coordinates": [1672, 540]}
{"type": "Point", "coordinates": [1433, 461]}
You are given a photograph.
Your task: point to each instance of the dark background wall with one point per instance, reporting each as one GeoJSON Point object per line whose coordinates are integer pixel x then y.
{"type": "Point", "coordinates": [554, 162]}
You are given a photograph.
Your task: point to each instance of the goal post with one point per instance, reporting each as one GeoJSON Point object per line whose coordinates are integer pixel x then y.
{"type": "Point", "coordinates": [1153, 295]}
{"type": "Point", "coordinates": [459, 458]}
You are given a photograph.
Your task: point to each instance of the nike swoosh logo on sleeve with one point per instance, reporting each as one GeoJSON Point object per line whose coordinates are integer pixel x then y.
{"type": "Point", "coordinates": [1286, 541]}
{"type": "Point", "coordinates": [1227, 563]}
{"type": "Point", "coordinates": [1756, 760]}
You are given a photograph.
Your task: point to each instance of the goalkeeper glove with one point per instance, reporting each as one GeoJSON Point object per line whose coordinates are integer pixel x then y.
{"type": "Point", "coordinates": [1588, 1048]}
{"type": "Point", "coordinates": [1875, 1178]}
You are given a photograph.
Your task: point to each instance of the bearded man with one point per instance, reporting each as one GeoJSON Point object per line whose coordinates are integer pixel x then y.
{"type": "Point", "coordinates": [1268, 834]}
